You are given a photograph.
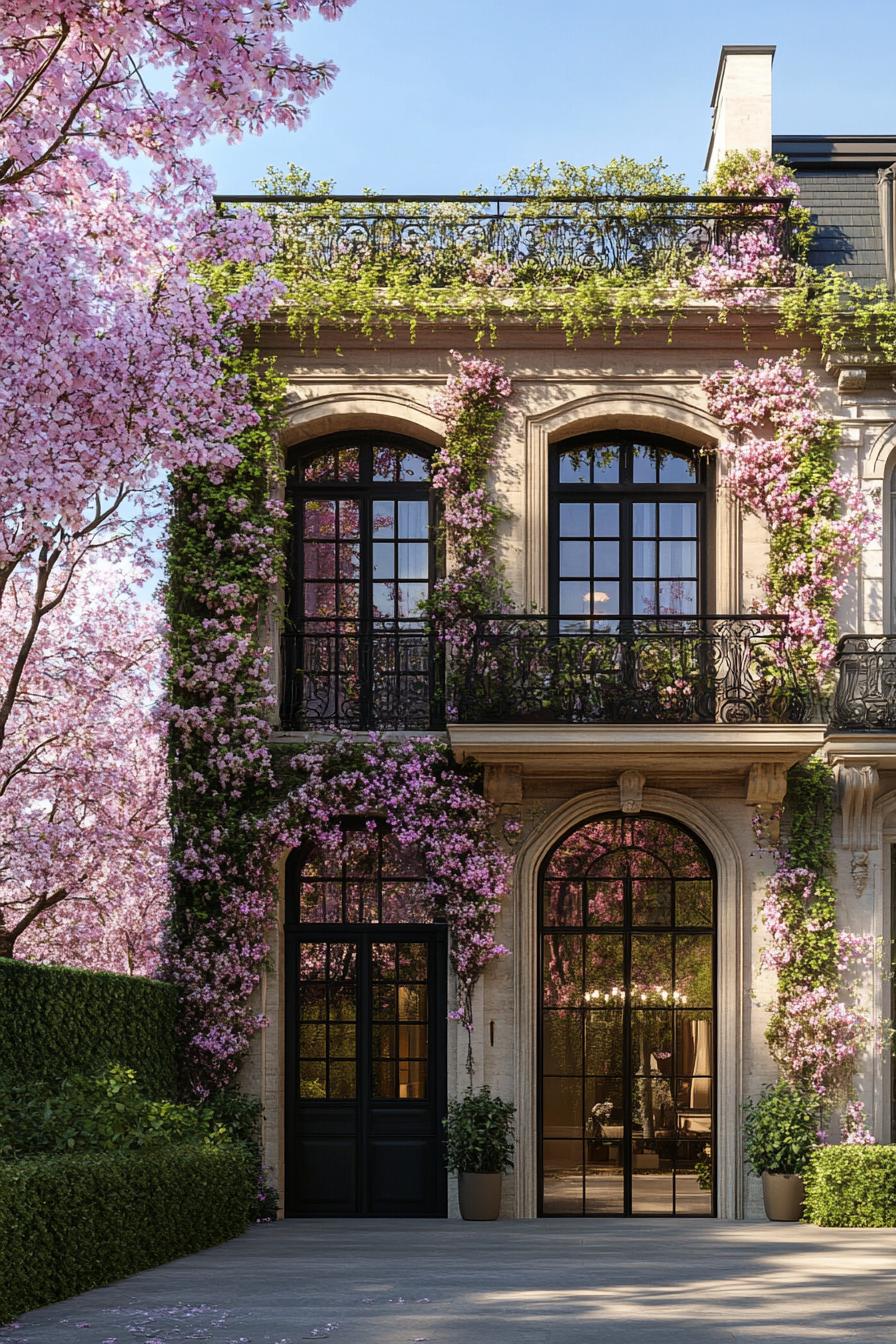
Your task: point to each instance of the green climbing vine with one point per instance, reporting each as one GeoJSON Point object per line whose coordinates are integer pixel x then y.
{"type": "Point", "coordinates": [818, 1028]}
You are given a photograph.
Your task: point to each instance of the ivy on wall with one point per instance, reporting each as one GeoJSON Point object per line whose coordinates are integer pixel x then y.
{"type": "Point", "coordinates": [225, 554]}
{"type": "Point", "coordinates": [818, 1029]}
{"type": "Point", "coordinates": [234, 808]}
{"type": "Point", "coordinates": [471, 407]}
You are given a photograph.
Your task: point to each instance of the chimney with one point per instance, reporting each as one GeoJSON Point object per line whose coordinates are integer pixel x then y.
{"type": "Point", "coordinates": [741, 102]}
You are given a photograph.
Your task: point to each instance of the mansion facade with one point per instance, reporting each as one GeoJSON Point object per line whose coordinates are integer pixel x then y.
{"type": "Point", "coordinates": [627, 1025]}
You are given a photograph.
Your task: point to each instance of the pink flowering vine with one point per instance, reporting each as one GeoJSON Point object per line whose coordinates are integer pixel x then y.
{"type": "Point", "coordinates": [430, 810]}
{"type": "Point", "coordinates": [817, 1031]}
{"type": "Point", "coordinates": [780, 449]}
{"type": "Point", "coordinates": [471, 406]}
{"type": "Point", "coordinates": [739, 270]}
{"type": "Point", "coordinates": [235, 805]}
{"type": "Point", "coordinates": [855, 1125]}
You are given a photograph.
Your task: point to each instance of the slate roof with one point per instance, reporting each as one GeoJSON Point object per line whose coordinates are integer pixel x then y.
{"type": "Point", "coordinates": [838, 185]}
{"type": "Point", "coordinates": [846, 214]}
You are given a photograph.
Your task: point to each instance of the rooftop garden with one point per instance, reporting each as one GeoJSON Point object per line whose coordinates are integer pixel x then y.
{"type": "Point", "coordinates": [586, 247]}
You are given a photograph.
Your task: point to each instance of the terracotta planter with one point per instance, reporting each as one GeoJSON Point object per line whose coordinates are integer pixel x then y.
{"type": "Point", "coordinates": [479, 1194]}
{"type": "Point", "coordinates": [783, 1197]}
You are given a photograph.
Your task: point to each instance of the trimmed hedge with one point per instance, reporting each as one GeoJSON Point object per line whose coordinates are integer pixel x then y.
{"type": "Point", "coordinates": [56, 1021]}
{"type": "Point", "coordinates": [852, 1185]}
{"type": "Point", "coordinates": [76, 1222]}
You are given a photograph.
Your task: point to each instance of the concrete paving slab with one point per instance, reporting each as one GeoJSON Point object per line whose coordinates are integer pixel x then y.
{"type": "Point", "coordinates": [650, 1281]}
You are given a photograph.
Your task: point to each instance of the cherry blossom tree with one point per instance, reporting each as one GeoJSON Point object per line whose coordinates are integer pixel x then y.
{"type": "Point", "coordinates": [113, 363]}
{"type": "Point", "coordinates": [115, 368]}
{"type": "Point", "coordinates": [83, 834]}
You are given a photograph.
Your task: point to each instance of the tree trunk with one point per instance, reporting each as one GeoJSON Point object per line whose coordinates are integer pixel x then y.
{"type": "Point", "coordinates": [7, 942]}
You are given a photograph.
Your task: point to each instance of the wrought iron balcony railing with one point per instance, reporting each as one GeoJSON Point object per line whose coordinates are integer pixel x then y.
{"type": "Point", "coordinates": [506, 240]}
{"type": "Point", "coordinates": [656, 669]}
{"type": "Point", "coordinates": [865, 698]}
{"type": "Point", "coordinates": [341, 673]}
{"type": "Point", "coordinates": [356, 674]}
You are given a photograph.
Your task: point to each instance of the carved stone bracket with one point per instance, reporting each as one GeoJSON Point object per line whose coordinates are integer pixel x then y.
{"type": "Point", "coordinates": [851, 380]}
{"type": "Point", "coordinates": [857, 788]}
{"type": "Point", "coordinates": [766, 787]}
{"type": "Point", "coordinates": [631, 791]}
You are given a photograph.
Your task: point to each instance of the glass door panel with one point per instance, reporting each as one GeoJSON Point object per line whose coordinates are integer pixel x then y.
{"type": "Point", "coordinates": [367, 1095]}
{"type": "Point", "coordinates": [627, 1054]}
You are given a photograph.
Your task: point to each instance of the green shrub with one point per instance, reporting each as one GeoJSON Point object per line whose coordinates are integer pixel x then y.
{"type": "Point", "coordinates": [241, 1115]}
{"type": "Point", "coordinates": [479, 1133]}
{"type": "Point", "coordinates": [99, 1113]}
{"type": "Point", "coordinates": [780, 1130]}
{"type": "Point", "coordinates": [108, 1112]}
{"type": "Point", "coordinates": [56, 1021]}
{"type": "Point", "coordinates": [852, 1185]}
{"type": "Point", "coordinates": [70, 1223]}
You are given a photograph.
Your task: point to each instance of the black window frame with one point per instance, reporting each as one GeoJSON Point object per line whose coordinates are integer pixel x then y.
{"type": "Point", "coordinates": [626, 492]}
{"type": "Point", "coordinates": [365, 1128]}
{"type": "Point", "coordinates": [626, 929]}
{"type": "Point", "coordinates": [364, 490]}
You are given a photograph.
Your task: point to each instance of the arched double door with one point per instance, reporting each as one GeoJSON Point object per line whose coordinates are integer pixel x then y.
{"type": "Point", "coordinates": [627, 957]}
{"type": "Point", "coordinates": [365, 1033]}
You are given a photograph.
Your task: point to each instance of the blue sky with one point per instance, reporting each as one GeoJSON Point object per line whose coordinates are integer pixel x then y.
{"type": "Point", "coordinates": [442, 96]}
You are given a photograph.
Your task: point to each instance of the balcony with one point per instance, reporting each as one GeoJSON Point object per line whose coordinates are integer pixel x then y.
{"type": "Point", "coordinates": [667, 669]}
{"type": "Point", "coordinates": [865, 697]}
{"type": "Point", "coordinates": [366, 675]}
{"type": "Point", "coordinates": [504, 241]}
{"type": "Point", "coordinates": [360, 675]}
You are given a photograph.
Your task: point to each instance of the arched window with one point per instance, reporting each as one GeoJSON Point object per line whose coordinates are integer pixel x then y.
{"type": "Point", "coordinates": [378, 882]}
{"type": "Point", "coordinates": [356, 654]}
{"type": "Point", "coordinates": [627, 998]}
{"type": "Point", "coordinates": [628, 529]}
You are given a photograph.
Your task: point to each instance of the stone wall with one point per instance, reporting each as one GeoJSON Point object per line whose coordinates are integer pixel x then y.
{"type": "Point", "coordinates": [645, 382]}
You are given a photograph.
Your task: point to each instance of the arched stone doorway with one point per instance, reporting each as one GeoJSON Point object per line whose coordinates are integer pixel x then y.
{"type": "Point", "coordinates": [627, 916]}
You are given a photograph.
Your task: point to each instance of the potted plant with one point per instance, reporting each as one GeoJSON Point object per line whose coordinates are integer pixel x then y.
{"type": "Point", "coordinates": [780, 1134]}
{"type": "Point", "coordinates": [479, 1147]}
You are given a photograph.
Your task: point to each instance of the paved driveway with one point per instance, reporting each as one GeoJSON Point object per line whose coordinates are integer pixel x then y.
{"type": "Point", "coordinates": [399, 1282]}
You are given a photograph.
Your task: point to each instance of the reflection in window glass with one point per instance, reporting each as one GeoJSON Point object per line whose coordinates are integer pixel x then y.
{"type": "Point", "coordinates": [627, 1021]}
{"type": "Point", "coordinates": [382, 883]}
{"type": "Point", "coordinates": [642, 515]}
{"type": "Point", "coordinates": [327, 1012]}
{"type": "Point", "coordinates": [399, 1046]}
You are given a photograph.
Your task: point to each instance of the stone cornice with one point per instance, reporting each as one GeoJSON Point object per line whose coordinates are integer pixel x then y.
{"type": "Point", "coordinates": [659, 749]}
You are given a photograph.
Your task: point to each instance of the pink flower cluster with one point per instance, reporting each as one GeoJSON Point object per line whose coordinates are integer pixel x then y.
{"type": "Point", "coordinates": [429, 810]}
{"type": "Point", "coordinates": [478, 384]}
{"type": "Point", "coordinates": [855, 1126]}
{"type": "Point", "coordinates": [471, 406]}
{"type": "Point", "coordinates": [817, 1032]}
{"type": "Point", "coordinates": [775, 430]}
{"type": "Point", "coordinates": [821, 1038]}
{"type": "Point", "coordinates": [738, 271]}
{"type": "Point", "coordinates": [738, 274]}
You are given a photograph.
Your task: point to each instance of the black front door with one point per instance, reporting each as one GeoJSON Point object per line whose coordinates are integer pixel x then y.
{"type": "Point", "coordinates": [366, 1048]}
